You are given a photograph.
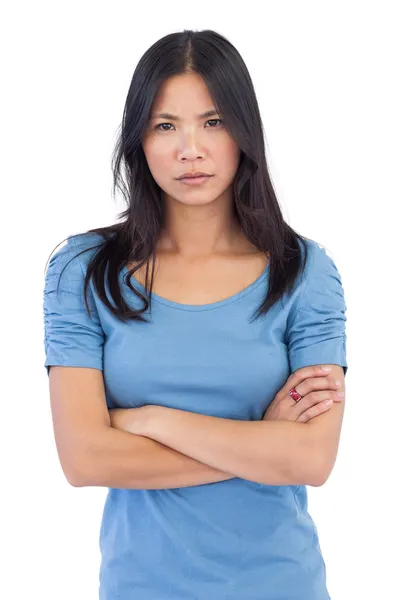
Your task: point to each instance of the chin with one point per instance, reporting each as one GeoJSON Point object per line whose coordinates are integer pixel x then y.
{"type": "Point", "coordinates": [197, 200]}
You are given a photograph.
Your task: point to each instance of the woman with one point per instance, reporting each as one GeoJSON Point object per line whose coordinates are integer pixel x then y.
{"type": "Point", "coordinates": [187, 344]}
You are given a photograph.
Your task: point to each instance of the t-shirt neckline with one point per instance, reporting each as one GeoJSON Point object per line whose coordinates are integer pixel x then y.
{"type": "Point", "coordinates": [200, 307]}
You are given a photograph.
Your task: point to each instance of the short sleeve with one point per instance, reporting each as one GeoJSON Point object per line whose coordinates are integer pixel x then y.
{"type": "Point", "coordinates": [71, 337]}
{"type": "Point", "coordinates": [317, 327]}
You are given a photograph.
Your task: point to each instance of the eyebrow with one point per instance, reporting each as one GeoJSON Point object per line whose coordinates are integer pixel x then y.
{"type": "Point", "coordinates": [208, 113]}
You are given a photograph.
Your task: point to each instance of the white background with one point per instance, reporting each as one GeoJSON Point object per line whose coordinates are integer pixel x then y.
{"type": "Point", "coordinates": [326, 77]}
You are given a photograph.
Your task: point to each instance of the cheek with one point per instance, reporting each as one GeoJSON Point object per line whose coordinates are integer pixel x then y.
{"type": "Point", "coordinates": [229, 157]}
{"type": "Point", "coordinates": [158, 158]}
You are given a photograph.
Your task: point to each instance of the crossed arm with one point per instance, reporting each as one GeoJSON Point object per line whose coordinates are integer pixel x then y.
{"type": "Point", "coordinates": [268, 452]}
{"type": "Point", "coordinates": [173, 448]}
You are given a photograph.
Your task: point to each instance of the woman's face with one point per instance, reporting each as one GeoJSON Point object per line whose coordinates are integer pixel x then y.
{"type": "Point", "coordinates": [189, 143]}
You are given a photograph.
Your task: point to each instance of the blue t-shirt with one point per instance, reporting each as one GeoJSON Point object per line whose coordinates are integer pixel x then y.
{"type": "Point", "coordinates": [230, 540]}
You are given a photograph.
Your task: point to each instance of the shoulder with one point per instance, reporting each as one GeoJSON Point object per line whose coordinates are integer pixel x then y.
{"type": "Point", "coordinates": [69, 260]}
{"type": "Point", "coordinates": [320, 261]}
{"type": "Point", "coordinates": [320, 284]}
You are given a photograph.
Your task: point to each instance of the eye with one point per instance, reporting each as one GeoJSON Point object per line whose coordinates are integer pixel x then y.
{"type": "Point", "coordinates": [160, 126]}
{"type": "Point", "coordinates": [214, 121]}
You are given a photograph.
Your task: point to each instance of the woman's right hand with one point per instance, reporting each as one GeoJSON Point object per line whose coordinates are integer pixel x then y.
{"type": "Point", "coordinates": [314, 385]}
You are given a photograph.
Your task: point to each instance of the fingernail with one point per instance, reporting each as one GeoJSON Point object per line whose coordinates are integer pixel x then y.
{"type": "Point", "coordinates": [341, 394]}
{"type": "Point", "coordinates": [326, 369]}
{"type": "Point", "coordinates": [338, 383]}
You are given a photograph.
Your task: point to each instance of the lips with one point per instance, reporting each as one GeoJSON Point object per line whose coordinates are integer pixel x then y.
{"type": "Point", "coordinates": [194, 181]}
{"type": "Point", "coordinates": [194, 175]}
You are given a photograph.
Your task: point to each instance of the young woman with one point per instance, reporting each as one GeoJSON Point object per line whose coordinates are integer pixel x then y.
{"type": "Point", "coordinates": [185, 346]}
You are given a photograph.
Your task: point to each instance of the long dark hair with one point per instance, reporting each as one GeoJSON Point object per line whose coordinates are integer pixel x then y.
{"type": "Point", "coordinates": [134, 239]}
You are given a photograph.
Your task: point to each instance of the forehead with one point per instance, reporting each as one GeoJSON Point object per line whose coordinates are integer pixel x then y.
{"type": "Point", "coordinates": [184, 96]}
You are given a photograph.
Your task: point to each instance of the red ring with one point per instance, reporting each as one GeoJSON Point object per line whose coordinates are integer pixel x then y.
{"type": "Point", "coordinates": [293, 394]}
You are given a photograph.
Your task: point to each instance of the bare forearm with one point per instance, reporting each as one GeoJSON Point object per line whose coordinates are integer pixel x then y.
{"type": "Point", "coordinates": [124, 460]}
{"type": "Point", "coordinates": [267, 452]}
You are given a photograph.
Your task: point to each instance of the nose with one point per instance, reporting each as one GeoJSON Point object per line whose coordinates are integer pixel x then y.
{"type": "Point", "coordinates": [189, 147]}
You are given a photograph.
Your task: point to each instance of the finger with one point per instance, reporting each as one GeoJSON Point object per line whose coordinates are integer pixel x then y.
{"type": "Point", "coordinates": [311, 400]}
{"type": "Point", "coordinates": [317, 383]}
{"type": "Point", "coordinates": [314, 411]}
{"type": "Point", "coordinates": [301, 375]}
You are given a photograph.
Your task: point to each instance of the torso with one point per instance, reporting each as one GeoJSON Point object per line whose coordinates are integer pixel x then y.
{"type": "Point", "coordinates": [203, 281]}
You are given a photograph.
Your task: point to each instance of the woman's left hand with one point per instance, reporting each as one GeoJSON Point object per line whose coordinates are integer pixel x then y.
{"type": "Point", "coordinates": [132, 420]}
